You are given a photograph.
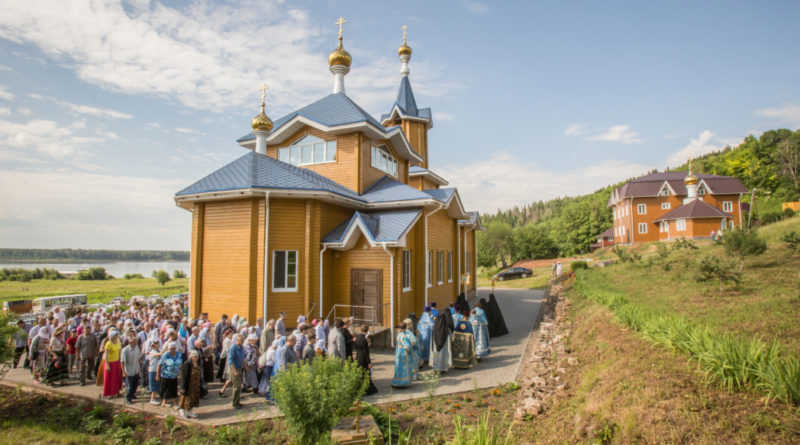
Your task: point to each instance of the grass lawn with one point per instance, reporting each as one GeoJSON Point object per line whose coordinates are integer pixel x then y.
{"type": "Point", "coordinates": [96, 291]}
{"type": "Point", "coordinates": [540, 279]}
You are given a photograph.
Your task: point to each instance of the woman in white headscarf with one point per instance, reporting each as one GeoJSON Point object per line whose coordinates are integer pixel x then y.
{"type": "Point", "coordinates": [265, 364]}
{"type": "Point", "coordinates": [251, 363]}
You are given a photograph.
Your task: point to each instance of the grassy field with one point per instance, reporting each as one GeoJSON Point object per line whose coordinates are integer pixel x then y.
{"type": "Point", "coordinates": [96, 291]}
{"type": "Point", "coordinates": [540, 279]}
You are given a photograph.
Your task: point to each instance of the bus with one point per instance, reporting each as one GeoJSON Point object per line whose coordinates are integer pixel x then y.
{"type": "Point", "coordinates": [45, 304]}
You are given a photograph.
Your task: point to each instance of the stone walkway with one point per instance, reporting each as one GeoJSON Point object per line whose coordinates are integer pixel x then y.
{"type": "Point", "coordinates": [520, 308]}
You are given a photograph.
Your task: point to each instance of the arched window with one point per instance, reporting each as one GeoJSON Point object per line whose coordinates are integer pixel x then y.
{"type": "Point", "coordinates": [309, 150]}
{"type": "Point", "coordinates": [383, 160]}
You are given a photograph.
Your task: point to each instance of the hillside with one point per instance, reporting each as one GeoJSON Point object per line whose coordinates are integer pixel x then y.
{"type": "Point", "coordinates": [87, 255]}
{"type": "Point", "coordinates": [567, 226]}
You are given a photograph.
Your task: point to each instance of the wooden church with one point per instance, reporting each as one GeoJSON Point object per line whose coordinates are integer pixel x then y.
{"type": "Point", "coordinates": [331, 212]}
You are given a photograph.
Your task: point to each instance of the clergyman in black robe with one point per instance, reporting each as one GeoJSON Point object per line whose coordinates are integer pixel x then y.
{"type": "Point", "coordinates": [361, 346]}
{"type": "Point", "coordinates": [497, 324]}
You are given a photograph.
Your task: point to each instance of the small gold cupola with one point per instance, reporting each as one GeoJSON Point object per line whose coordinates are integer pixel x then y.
{"type": "Point", "coordinates": [262, 124]}
{"type": "Point", "coordinates": [339, 61]}
{"type": "Point", "coordinates": [690, 179]}
{"type": "Point", "coordinates": [404, 49]}
{"type": "Point", "coordinates": [339, 56]}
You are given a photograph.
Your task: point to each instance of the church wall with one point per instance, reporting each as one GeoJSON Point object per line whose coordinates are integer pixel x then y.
{"type": "Point", "coordinates": [195, 280]}
{"type": "Point", "coordinates": [407, 301]}
{"type": "Point", "coordinates": [287, 231]}
{"type": "Point", "coordinates": [340, 171]}
{"type": "Point", "coordinates": [416, 182]}
{"type": "Point", "coordinates": [471, 267]}
{"type": "Point", "coordinates": [416, 133]}
{"type": "Point", "coordinates": [442, 237]}
{"type": "Point", "coordinates": [330, 217]}
{"type": "Point", "coordinates": [654, 211]}
{"type": "Point", "coordinates": [370, 174]}
{"type": "Point", "coordinates": [362, 256]}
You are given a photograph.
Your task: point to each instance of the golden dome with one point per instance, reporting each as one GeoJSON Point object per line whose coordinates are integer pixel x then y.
{"type": "Point", "coordinates": [261, 121]}
{"type": "Point", "coordinates": [339, 56]}
{"type": "Point", "coordinates": [404, 50]}
{"type": "Point", "coordinates": [691, 179]}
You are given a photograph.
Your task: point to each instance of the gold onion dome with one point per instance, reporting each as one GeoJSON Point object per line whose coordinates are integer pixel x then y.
{"type": "Point", "coordinates": [261, 121]}
{"type": "Point", "coordinates": [339, 56]}
{"type": "Point", "coordinates": [691, 179]}
{"type": "Point", "coordinates": [404, 49]}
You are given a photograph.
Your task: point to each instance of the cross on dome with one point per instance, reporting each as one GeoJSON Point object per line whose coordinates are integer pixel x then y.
{"type": "Point", "coordinates": [340, 22]}
{"type": "Point", "coordinates": [263, 89]}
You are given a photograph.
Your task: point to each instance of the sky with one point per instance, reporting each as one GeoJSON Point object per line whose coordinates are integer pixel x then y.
{"type": "Point", "coordinates": [107, 108]}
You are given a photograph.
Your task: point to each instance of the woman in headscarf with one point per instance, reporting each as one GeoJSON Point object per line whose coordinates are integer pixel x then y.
{"type": "Point", "coordinates": [112, 375]}
{"type": "Point", "coordinates": [266, 362]}
{"type": "Point", "coordinates": [56, 369]}
{"type": "Point", "coordinates": [440, 357]}
{"type": "Point", "coordinates": [250, 364]}
{"type": "Point", "coordinates": [425, 330]}
{"type": "Point", "coordinates": [415, 350]}
{"type": "Point", "coordinates": [279, 363]}
{"type": "Point", "coordinates": [361, 346]}
{"type": "Point", "coordinates": [167, 371]}
{"type": "Point", "coordinates": [191, 384]}
{"type": "Point", "coordinates": [480, 326]}
{"type": "Point", "coordinates": [206, 359]}
{"type": "Point", "coordinates": [497, 324]}
{"type": "Point", "coordinates": [404, 363]}
{"type": "Point", "coordinates": [322, 340]}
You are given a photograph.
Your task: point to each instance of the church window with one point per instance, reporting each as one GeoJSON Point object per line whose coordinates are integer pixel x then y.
{"type": "Point", "coordinates": [664, 191]}
{"type": "Point", "coordinates": [439, 267]}
{"type": "Point", "coordinates": [664, 227]}
{"type": "Point", "coordinates": [665, 206]}
{"type": "Point", "coordinates": [430, 268]}
{"type": "Point", "coordinates": [641, 208]}
{"type": "Point", "coordinates": [680, 225]}
{"type": "Point", "coordinates": [701, 191]}
{"type": "Point", "coordinates": [284, 270]}
{"type": "Point", "coordinates": [642, 227]}
{"type": "Point", "coordinates": [406, 270]}
{"type": "Point", "coordinates": [308, 151]}
{"type": "Point", "coordinates": [450, 266]}
{"type": "Point", "coordinates": [383, 160]}
{"type": "Point", "coordinates": [727, 206]}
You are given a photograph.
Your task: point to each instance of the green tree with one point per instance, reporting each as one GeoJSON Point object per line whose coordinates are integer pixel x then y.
{"type": "Point", "coordinates": [162, 276]}
{"type": "Point", "coordinates": [792, 240]}
{"type": "Point", "coordinates": [498, 241]}
{"type": "Point", "coordinates": [178, 274]}
{"type": "Point", "coordinates": [743, 243]}
{"type": "Point", "coordinates": [7, 329]}
{"type": "Point", "coordinates": [532, 242]}
{"type": "Point", "coordinates": [712, 267]}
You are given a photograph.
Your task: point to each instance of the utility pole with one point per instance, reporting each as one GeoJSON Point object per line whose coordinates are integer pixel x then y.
{"type": "Point", "coordinates": [752, 206]}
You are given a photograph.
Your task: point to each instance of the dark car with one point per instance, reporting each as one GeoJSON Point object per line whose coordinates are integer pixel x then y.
{"type": "Point", "coordinates": [514, 272]}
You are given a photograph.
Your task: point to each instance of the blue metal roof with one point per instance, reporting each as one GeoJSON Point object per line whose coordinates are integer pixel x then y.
{"type": "Point", "coordinates": [389, 189]}
{"type": "Point", "coordinates": [406, 103]}
{"type": "Point", "coordinates": [382, 227]}
{"type": "Point", "coordinates": [441, 195]}
{"type": "Point", "coordinates": [417, 169]}
{"type": "Point", "coordinates": [255, 170]}
{"type": "Point", "coordinates": [332, 110]}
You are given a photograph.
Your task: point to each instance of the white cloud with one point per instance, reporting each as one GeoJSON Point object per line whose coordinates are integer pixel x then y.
{"type": "Point", "coordinates": [24, 111]}
{"type": "Point", "coordinates": [48, 138]}
{"type": "Point", "coordinates": [4, 111]}
{"type": "Point", "coordinates": [443, 116]}
{"type": "Point", "coordinates": [5, 94]}
{"type": "Point", "coordinates": [504, 180]}
{"type": "Point", "coordinates": [95, 111]}
{"type": "Point", "coordinates": [575, 130]}
{"type": "Point", "coordinates": [706, 142]}
{"type": "Point", "coordinates": [5, 68]}
{"type": "Point", "coordinates": [617, 133]}
{"type": "Point", "coordinates": [476, 7]}
{"type": "Point", "coordinates": [203, 55]}
{"type": "Point", "coordinates": [89, 210]}
{"type": "Point", "coordinates": [787, 115]}
{"type": "Point", "coordinates": [184, 130]}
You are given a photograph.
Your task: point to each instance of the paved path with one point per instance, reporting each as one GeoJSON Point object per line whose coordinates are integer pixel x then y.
{"type": "Point", "coordinates": [520, 308]}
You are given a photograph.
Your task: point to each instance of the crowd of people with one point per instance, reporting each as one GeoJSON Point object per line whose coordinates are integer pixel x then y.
{"type": "Point", "coordinates": [453, 337]}
{"type": "Point", "coordinates": [158, 348]}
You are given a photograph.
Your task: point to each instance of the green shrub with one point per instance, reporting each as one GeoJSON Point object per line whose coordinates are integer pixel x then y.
{"type": "Point", "coordinates": [178, 274]}
{"type": "Point", "coordinates": [162, 276]}
{"type": "Point", "coordinates": [93, 425]}
{"type": "Point", "coordinates": [130, 276]}
{"type": "Point", "coordinates": [683, 243]}
{"type": "Point", "coordinates": [788, 212]}
{"type": "Point", "coordinates": [94, 273]}
{"type": "Point", "coordinates": [479, 434]}
{"type": "Point", "coordinates": [575, 265]}
{"type": "Point", "coordinates": [124, 419]}
{"type": "Point", "coordinates": [312, 397]}
{"type": "Point", "coordinates": [743, 243]}
{"type": "Point", "coordinates": [792, 240]}
{"type": "Point", "coordinates": [714, 268]}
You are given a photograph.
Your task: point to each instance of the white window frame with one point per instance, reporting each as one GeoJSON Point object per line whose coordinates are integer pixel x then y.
{"type": "Point", "coordinates": [429, 280]}
{"type": "Point", "coordinates": [383, 160]}
{"type": "Point", "coordinates": [666, 206]}
{"type": "Point", "coordinates": [449, 266]}
{"type": "Point", "coordinates": [286, 274]}
{"type": "Point", "coordinates": [308, 144]}
{"type": "Point", "coordinates": [641, 209]}
{"type": "Point", "coordinates": [439, 267]}
{"type": "Point", "coordinates": [701, 190]}
{"type": "Point", "coordinates": [680, 225]}
{"type": "Point", "coordinates": [663, 227]}
{"type": "Point", "coordinates": [407, 270]}
{"type": "Point", "coordinates": [642, 227]}
{"type": "Point", "coordinates": [727, 206]}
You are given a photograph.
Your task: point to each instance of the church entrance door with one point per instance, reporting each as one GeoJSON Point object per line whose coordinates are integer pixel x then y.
{"type": "Point", "coordinates": [366, 287]}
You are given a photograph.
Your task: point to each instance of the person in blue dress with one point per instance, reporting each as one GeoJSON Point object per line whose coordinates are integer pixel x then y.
{"type": "Point", "coordinates": [425, 330]}
{"type": "Point", "coordinates": [463, 342]}
{"type": "Point", "coordinates": [404, 358]}
{"type": "Point", "coordinates": [481, 328]}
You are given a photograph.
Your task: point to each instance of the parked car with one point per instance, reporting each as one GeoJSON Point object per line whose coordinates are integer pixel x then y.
{"type": "Point", "coordinates": [514, 272]}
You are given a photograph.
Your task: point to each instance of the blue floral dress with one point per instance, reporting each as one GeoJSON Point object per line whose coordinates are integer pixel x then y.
{"type": "Point", "coordinates": [425, 331]}
{"type": "Point", "coordinates": [404, 360]}
{"type": "Point", "coordinates": [481, 328]}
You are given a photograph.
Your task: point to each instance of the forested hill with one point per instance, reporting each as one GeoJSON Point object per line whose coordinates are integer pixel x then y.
{"type": "Point", "coordinates": [82, 255]}
{"type": "Point", "coordinates": [770, 163]}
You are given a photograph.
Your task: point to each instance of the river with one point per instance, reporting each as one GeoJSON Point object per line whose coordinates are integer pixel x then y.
{"type": "Point", "coordinates": [118, 269]}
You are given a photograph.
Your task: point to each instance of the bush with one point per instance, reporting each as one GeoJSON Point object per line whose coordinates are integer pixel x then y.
{"type": "Point", "coordinates": [94, 273]}
{"type": "Point", "coordinates": [130, 276]}
{"type": "Point", "coordinates": [711, 267]}
{"type": "Point", "coordinates": [575, 265]}
{"type": "Point", "coordinates": [178, 274]}
{"type": "Point", "coordinates": [770, 216]}
{"type": "Point", "coordinates": [162, 277]}
{"type": "Point", "coordinates": [743, 243]}
{"type": "Point", "coordinates": [788, 212]}
{"type": "Point", "coordinates": [8, 328]}
{"type": "Point", "coordinates": [312, 397]}
{"type": "Point", "coordinates": [792, 240]}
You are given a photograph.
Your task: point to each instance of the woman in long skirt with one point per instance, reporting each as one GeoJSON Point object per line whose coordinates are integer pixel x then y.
{"type": "Point", "coordinates": [441, 357]}
{"type": "Point", "coordinates": [266, 362]}
{"type": "Point", "coordinates": [191, 384]}
{"type": "Point", "coordinates": [404, 361]}
{"type": "Point", "coordinates": [169, 367]}
{"type": "Point", "coordinates": [251, 363]}
{"type": "Point", "coordinates": [480, 327]}
{"type": "Point", "coordinates": [425, 330]}
{"type": "Point", "coordinates": [56, 369]}
{"type": "Point", "coordinates": [112, 375]}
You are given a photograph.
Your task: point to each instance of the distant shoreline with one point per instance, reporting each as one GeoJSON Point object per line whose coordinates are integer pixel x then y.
{"type": "Point", "coordinates": [79, 260]}
{"type": "Point", "coordinates": [64, 256]}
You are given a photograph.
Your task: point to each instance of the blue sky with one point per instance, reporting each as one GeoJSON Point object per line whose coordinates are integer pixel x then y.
{"type": "Point", "coordinates": [108, 108]}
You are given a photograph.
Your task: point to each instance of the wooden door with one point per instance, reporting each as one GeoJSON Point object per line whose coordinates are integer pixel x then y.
{"type": "Point", "coordinates": [366, 286]}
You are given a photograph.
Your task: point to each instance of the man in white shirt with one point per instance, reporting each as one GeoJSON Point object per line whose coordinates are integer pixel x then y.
{"type": "Point", "coordinates": [59, 315]}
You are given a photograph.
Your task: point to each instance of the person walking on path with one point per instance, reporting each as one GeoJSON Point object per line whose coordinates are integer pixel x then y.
{"type": "Point", "coordinates": [236, 369]}
{"type": "Point", "coordinates": [169, 367]}
{"type": "Point", "coordinates": [112, 375]}
{"type": "Point", "coordinates": [404, 361]}
{"type": "Point", "coordinates": [154, 356]}
{"type": "Point", "coordinates": [336, 345]}
{"type": "Point", "coordinates": [86, 348]}
{"type": "Point", "coordinates": [131, 367]}
{"type": "Point", "coordinates": [71, 352]}
{"type": "Point", "coordinates": [191, 384]}
{"type": "Point", "coordinates": [280, 326]}
{"type": "Point", "coordinates": [19, 341]}
{"type": "Point", "coordinates": [56, 369]}
{"type": "Point", "coordinates": [361, 346]}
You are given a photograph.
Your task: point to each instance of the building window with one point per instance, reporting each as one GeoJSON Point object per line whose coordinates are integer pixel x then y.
{"type": "Point", "coordinates": [701, 191]}
{"type": "Point", "coordinates": [664, 226]}
{"type": "Point", "coordinates": [641, 209]}
{"type": "Point", "coordinates": [642, 227]}
{"type": "Point", "coordinates": [439, 267]}
{"type": "Point", "coordinates": [430, 268]}
{"type": "Point", "coordinates": [665, 206]}
{"type": "Point", "coordinates": [680, 225]}
{"type": "Point", "coordinates": [727, 206]}
{"type": "Point", "coordinates": [284, 270]}
{"type": "Point", "coordinates": [406, 270]}
{"type": "Point", "coordinates": [308, 151]}
{"type": "Point", "coordinates": [382, 160]}
{"type": "Point", "coordinates": [450, 266]}
{"type": "Point", "coordinates": [664, 192]}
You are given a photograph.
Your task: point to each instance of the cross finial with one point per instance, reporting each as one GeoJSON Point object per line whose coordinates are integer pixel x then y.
{"type": "Point", "coordinates": [405, 30]}
{"type": "Point", "coordinates": [690, 165]}
{"type": "Point", "coordinates": [263, 89]}
{"type": "Point", "coordinates": [340, 22]}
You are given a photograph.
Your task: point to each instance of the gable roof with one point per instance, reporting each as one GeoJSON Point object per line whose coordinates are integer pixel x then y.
{"type": "Point", "coordinates": [416, 170]}
{"type": "Point", "coordinates": [389, 226]}
{"type": "Point", "coordinates": [442, 195]}
{"type": "Point", "coordinates": [650, 185]}
{"type": "Point", "coordinates": [389, 189]}
{"type": "Point", "coordinates": [255, 170]}
{"type": "Point", "coordinates": [694, 209]}
{"type": "Point", "coordinates": [607, 234]}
